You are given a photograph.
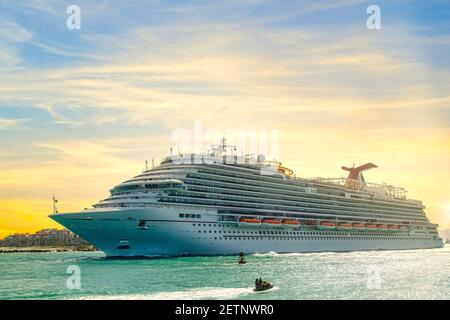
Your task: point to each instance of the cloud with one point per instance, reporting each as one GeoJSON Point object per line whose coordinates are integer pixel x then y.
{"type": "Point", "coordinates": [10, 123]}
{"type": "Point", "coordinates": [35, 6]}
{"type": "Point", "coordinates": [281, 67]}
{"type": "Point", "coordinates": [10, 35]}
{"type": "Point", "coordinates": [11, 32]}
{"type": "Point", "coordinates": [79, 172]}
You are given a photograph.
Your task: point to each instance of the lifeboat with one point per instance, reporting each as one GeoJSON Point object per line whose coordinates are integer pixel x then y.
{"type": "Point", "coordinates": [249, 222]}
{"type": "Point", "coordinates": [393, 228]}
{"type": "Point", "coordinates": [267, 222]}
{"type": "Point", "coordinates": [327, 225]}
{"type": "Point", "coordinates": [382, 227]}
{"type": "Point", "coordinates": [371, 227]}
{"type": "Point", "coordinates": [290, 223]}
{"type": "Point", "coordinates": [344, 226]}
{"type": "Point", "coordinates": [358, 226]}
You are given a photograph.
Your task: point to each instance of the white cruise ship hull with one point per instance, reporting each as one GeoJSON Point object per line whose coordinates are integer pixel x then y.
{"type": "Point", "coordinates": [174, 231]}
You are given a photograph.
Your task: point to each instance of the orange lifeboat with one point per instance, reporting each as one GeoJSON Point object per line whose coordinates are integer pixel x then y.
{"type": "Point", "coordinates": [382, 227]}
{"type": "Point", "coordinates": [249, 221]}
{"type": "Point", "coordinates": [268, 222]}
{"type": "Point", "coordinates": [370, 226]}
{"type": "Point", "coordinates": [327, 225]}
{"type": "Point", "coordinates": [358, 226]}
{"type": "Point", "coordinates": [290, 223]}
{"type": "Point", "coordinates": [393, 228]}
{"type": "Point", "coordinates": [344, 226]}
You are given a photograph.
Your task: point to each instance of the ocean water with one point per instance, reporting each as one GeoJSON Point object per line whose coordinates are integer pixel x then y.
{"type": "Point", "coordinates": [411, 274]}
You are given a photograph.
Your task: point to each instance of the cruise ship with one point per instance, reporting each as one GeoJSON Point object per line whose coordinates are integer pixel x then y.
{"type": "Point", "coordinates": [220, 203]}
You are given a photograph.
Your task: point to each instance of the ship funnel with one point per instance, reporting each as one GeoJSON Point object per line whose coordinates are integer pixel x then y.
{"type": "Point", "coordinates": [355, 179]}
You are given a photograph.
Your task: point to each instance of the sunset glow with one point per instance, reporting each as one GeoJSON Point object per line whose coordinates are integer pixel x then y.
{"type": "Point", "coordinates": [81, 110]}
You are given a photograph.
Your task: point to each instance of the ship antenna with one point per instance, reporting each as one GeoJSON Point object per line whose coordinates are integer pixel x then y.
{"type": "Point", "coordinates": [153, 163]}
{"type": "Point", "coordinates": [54, 204]}
{"type": "Point", "coordinates": [146, 165]}
{"type": "Point", "coordinates": [224, 144]}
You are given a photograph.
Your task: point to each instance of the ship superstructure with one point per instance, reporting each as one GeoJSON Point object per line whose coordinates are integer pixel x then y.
{"type": "Point", "coordinates": [218, 202]}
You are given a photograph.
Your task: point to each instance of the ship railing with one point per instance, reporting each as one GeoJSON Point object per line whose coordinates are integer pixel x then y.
{"type": "Point", "coordinates": [211, 158]}
{"type": "Point", "coordinates": [384, 189]}
{"type": "Point", "coordinates": [377, 188]}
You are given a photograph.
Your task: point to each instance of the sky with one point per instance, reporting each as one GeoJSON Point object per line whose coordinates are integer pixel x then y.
{"type": "Point", "coordinates": [81, 110]}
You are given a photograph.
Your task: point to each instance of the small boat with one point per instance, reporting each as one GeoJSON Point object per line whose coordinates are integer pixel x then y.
{"type": "Point", "coordinates": [290, 223]}
{"type": "Point", "coordinates": [382, 227]}
{"type": "Point", "coordinates": [268, 222]}
{"type": "Point", "coordinates": [327, 225]}
{"type": "Point", "coordinates": [241, 258]}
{"type": "Point", "coordinates": [249, 222]}
{"type": "Point", "coordinates": [262, 286]}
{"type": "Point", "coordinates": [142, 225]}
{"type": "Point", "coordinates": [344, 226]}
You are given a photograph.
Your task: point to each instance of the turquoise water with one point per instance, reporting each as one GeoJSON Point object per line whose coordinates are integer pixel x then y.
{"type": "Point", "coordinates": [413, 274]}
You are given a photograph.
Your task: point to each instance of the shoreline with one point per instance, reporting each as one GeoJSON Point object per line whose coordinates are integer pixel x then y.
{"type": "Point", "coordinates": [43, 249]}
{"type": "Point", "coordinates": [64, 249]}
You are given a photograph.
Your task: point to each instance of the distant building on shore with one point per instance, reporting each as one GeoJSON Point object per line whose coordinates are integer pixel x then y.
{"type": "Point", "coordinates": [45, 237]}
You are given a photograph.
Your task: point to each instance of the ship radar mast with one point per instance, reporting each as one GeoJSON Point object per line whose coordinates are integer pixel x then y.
{"type": "Point", "coordinates": [222, 148]}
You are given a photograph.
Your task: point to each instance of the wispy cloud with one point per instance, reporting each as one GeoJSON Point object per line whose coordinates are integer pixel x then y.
{"type": "Point", "coordinates": [11, 34]}
{"type": "Point", "coordinates": [143, 83]}
{"type": "Point", "coordinates": [10, 123]}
